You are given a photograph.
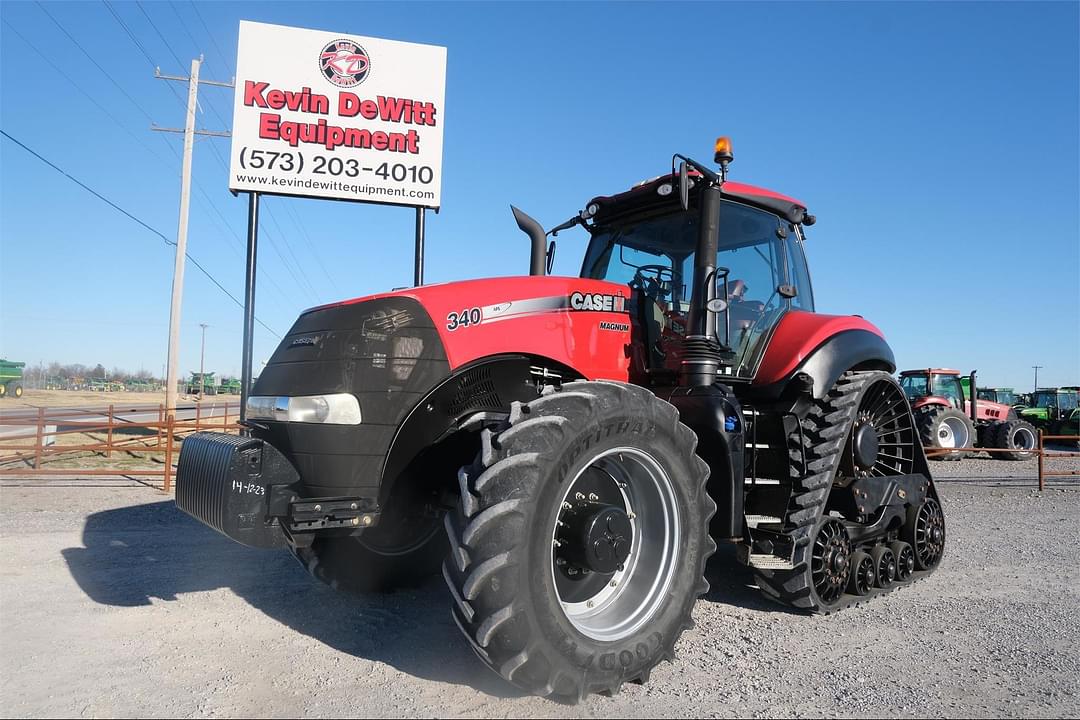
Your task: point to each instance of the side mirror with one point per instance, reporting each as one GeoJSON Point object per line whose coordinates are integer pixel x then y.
{"type": "Point", "coordinates": [550, 256]}
{"type": "Point", "coordinates": [684, 186]}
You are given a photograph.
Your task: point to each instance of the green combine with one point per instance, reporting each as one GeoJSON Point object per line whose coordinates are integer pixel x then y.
{"type": "Point", "coordinates": [229, 386]}
{"type": "Point", "coordinates": [11, 374]}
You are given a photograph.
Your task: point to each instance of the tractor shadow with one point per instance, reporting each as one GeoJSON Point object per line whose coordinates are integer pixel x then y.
{"type": "Point", "coordinates": [136, 553]}
{"type": "Point", "coordinates": [732, 583]}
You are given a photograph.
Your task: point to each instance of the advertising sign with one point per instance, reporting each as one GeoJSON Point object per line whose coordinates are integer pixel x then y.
{"type": "Point", "coordinates": [331, 115]}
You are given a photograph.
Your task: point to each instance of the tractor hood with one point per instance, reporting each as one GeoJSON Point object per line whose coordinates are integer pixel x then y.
{"type": "Point", "coordinates": [581, 323]}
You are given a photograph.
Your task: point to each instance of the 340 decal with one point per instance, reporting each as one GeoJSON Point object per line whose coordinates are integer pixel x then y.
{"type": "Point", "coordinates": [465, 318]}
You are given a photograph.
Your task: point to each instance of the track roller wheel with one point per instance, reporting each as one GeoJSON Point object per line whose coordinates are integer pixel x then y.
{"type": "Point", "coordinates": [884, 565]}
{"type": "Point", "coordinates": [925, 531]}
{"type": "Point", "coordinates": [579, 545]}
{"type": "Point", "coordinates": [862, 574]}
{"type": "Point", "coordinates": [831, 560]}
{"type": "Point", "coordinates": [905, 560]}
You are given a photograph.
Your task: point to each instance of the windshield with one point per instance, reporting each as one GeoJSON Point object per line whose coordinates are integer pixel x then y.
{"type": "Point", "coordinates": [948, 387]}
{"type": "Point", "coordinates": [1061, 400]}
{"type": "Point", "coordinates": [914, 386]}
{"type": "Point", "coordinates": [759, 250]}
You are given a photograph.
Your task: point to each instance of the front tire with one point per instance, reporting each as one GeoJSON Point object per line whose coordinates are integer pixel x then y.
{"type": "Point", "coordinates": [580, 542]}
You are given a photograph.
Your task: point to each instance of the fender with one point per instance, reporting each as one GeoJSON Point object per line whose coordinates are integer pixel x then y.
{"type": "Point", "coordinates": [821, 347]}
{"type": "Point", "coordinates": [490, 385]}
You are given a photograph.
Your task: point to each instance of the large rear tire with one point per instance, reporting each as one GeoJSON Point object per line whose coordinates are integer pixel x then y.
{"type": "Point", "coordinates": [1017, 435]}
{"type": "Point", "coordinates": [579, 545]}
{"type": "Point", "coordinates": [942, 427]}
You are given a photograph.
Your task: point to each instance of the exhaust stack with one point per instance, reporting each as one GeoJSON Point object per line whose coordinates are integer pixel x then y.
{"type": "Point", "coordinates": [538, 253]}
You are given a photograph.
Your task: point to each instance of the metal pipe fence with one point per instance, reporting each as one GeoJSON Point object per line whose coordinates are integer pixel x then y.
{"type": "Point", "coordinates": [26, 454]}
{"type": "Point", "coordinates": [1040, 451]}
{"type": "Point", "coordinates": [20, 457]}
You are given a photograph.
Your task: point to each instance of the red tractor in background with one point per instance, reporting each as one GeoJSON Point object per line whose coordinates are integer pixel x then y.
{"type": "Point", "coordinates": [568, 451]}
{"type": "Point", "coordinates": [950, 415]}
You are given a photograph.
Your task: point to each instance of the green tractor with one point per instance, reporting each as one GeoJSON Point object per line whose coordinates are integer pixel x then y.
{"type": "Point", "coordinates": [11, 374]}
{"type": "Point", "coordinates": [1055, 411]}
{"type": "Point", "coordinates": [1051, 408]}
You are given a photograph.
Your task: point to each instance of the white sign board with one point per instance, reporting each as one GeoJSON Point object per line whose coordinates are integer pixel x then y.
{"type": "Point", "coordinates": [330, 115]}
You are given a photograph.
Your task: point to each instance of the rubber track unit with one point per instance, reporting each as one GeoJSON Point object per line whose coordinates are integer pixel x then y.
{"type": "Point", "coordinates": [825, 433]}
{"type": "Point", "coordinates": [488, 541]}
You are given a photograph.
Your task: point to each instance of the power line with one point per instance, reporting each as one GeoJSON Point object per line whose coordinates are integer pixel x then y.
{"type": "Point", "coordinates": [307, 238]}
{"type": "Point", "coordinates": [87, 95]}
{"type": "Point", "coordinates": [224, 57]}
{"type": "Point", "coordinates": [121, 210]}
{"type": "Point", "coordinates": [142, 49]}
{"type": "Point", "coordinates": [95, 62]}
{"type": "Point", "coordinates": [179, 62]}
{"type": "Point", "coordinates": [281, 232]}
{"type": "Point", "coordinates": [150, 60]}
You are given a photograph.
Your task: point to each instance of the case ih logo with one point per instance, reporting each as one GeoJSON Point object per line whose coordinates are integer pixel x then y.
{"type": "Point", "coordinates": [597, 301]}
{"type": "Point", "coordinates": [344, 63]}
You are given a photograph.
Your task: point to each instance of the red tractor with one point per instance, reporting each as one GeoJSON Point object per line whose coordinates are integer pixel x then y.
{"type": "Point", "coordinates": [948, 414]}
{"type": "Point", "coordinates": [568, 451]}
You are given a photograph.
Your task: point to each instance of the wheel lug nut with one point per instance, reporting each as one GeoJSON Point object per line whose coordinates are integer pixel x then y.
{"type": "Point", "coordinates": [631, 515]}
{"type": "Point", "coordinates": [593, 497]}
{"type": "Point", "coordinates": [579, 496]}
{"type": "Point", "coordinates": [556, 543]}
{"type": "Point", "coordinates": [567, 506]}
{"type": "Point", "coordinates": [590, 603]}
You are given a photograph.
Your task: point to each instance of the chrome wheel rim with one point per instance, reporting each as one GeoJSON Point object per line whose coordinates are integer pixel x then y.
{"type": "Point", "coordinates": [1023, 439]}
{"type": "Point", "coordinates": [609, 606]}
{"type": "Point", "coordinates": [953, 433]}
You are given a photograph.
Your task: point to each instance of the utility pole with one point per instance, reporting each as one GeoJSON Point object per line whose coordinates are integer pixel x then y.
{"type": "Point", "coordinates": [1036, 388]}
{"type": "Point", "coordinates": [202, 357]}
{"type": "Point", "coordinates": [189, 133]}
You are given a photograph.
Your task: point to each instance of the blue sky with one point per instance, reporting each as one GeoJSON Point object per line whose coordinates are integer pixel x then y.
{"type": "Point", "coordinates": [937, 143]}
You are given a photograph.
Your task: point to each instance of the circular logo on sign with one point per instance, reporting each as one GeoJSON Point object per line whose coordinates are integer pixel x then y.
{"type": "Point", "coordinates": [344, 63]}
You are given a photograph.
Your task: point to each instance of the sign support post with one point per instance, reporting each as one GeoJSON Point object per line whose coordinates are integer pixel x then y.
{"type": "Point", "coordinates": [418, 271]}
{"type": "Point", "coordinates": [249, 302]}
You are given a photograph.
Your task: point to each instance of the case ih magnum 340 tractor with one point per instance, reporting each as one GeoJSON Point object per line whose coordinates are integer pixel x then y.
{"type": "Point", "coordinates": [947, 416]}
{"type": "Point", "coordinates": [567, 451]}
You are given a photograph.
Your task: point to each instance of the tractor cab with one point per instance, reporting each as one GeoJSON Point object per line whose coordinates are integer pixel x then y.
{"type": "Point", "coordinates": [647, 239]}
{"type": "Point", "coordinates": [939, 386]}
{"type": "Point", "coordinates": [1050, 404]}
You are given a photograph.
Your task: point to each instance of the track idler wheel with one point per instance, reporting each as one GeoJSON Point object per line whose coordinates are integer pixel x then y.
{"type": "Point", "coordinates": [925, 531]}
{"type": "Point", "coordinates": [884, 565]}
{"type": "Point", "coordinates": [862, 574]}
{"type": "Point", "coordinates": [831, 560]}
{"type": "Point", "coordinates": [905, 560]}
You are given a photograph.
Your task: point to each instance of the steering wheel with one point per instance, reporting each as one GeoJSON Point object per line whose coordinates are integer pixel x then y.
{"type": "Point", "coordinates": [653, 286]}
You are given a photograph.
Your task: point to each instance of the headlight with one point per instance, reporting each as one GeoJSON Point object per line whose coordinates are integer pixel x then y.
{"type": "Point", "coordinates": [336, 409]}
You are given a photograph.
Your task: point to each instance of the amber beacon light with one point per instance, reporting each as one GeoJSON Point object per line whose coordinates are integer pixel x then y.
{"type": "Point", "coordinates": [723, 151]}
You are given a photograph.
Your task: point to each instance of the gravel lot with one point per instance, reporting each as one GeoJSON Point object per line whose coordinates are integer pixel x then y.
{"type": "Point", "coordinates": [113, 603]}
